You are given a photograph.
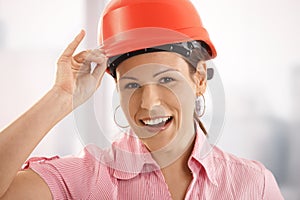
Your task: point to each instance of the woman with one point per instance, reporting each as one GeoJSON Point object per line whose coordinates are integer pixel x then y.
{"type": "Point", "coordinates": [156, 52]}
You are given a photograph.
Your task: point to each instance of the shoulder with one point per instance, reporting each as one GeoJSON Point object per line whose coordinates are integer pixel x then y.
{"type": "Point", "coordinates": [83, 160]}
{"type": "Point", "coordinates": [85, 164]}
{"type": "Point", "coordinates": [72, 177]}
{"type": "Point", "coordinates": [233, 169]}
{"type": "Point", "coordinates": [237, 163]}
{"type": "Point", "coordinates": [244, 175]}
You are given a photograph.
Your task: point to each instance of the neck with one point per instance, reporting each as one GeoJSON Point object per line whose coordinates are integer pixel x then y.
{"type": "Point", "coordinates": [180, 166]}
{"type": "Point", "coordinates": [176, 158]}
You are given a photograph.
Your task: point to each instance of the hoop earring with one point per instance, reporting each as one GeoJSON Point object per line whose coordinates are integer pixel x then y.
{"type": "Point", "coordinates": [200, 106]}
{"type": "Point", "coordinates": [116, 120]}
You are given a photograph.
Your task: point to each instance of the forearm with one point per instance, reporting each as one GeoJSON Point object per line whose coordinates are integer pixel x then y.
{"type": "Point", "coordinates": [20, 138]}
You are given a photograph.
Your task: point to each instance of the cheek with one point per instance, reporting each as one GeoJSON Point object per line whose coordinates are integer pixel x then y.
{"type": "Point", "coordinates": [170, 100]}
{"type": "Point", "coordinates": [186, 97]}
{"type": "Point", "coordinates": [130, 102]}
{"type": "Point", "coordinates": [134, 103]}
{"type": "Point", "coordinates": [188, 105]}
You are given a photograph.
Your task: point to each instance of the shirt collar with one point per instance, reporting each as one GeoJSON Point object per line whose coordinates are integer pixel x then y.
{"type": "Point", "coordinates": [131, 157]}
{"type": "Point", "coordinates": [202, 155]}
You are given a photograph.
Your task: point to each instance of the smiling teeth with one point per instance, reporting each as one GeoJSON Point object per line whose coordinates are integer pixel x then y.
{"type": "Point", "coordinates": [156, 121]}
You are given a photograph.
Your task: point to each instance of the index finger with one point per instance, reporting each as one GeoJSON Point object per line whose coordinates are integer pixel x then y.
{"type": "Point", "coordinates": [74, 44]}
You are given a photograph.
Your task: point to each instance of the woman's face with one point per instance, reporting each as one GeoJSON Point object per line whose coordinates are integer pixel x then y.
{"type": "Point", "coordinates": [157, 94]}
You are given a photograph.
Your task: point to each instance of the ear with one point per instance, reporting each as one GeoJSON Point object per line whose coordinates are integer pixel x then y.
{"type": "Point", "coordinates": [200, 78]}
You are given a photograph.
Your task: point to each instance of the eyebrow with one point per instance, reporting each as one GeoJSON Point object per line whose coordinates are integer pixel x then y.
{"type": "Point", "coordinates": [128, 77]}
{"type": "Point", "coordinates": [167, 70]}
{"type": "Point", "coordinates": [158, 73]}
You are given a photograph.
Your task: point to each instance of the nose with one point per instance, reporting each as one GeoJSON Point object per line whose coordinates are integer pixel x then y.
{"type": "Point", "coordinates": [150, 96]}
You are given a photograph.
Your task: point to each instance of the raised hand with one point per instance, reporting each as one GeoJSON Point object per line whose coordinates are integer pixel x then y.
{"type": "Point", "coordinates": [74, 72]}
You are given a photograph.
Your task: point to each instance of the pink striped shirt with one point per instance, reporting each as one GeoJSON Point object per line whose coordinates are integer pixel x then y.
{"type": "Point", "coordinates": [118, 174]}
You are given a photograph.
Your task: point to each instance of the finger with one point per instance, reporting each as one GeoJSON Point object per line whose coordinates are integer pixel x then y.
{"type": "Point", "coordinates": [95, 55]}
{"type": "Point", "coordinates": [69, 51]}
{"type": "Point", "coordinates": [82, 61]}
{"type": "Point", "coordinates": [95, 59]}
{"type": "Point", "coordinates": [81, 57]}
{"type": "Point", "coordinates": [89, 55]}
{"type": "Point", "coordinates": [84, 67]}
{"type": "Point", "coordinates": [98, 52]}
{"type": "Point", "coordinates": [99, 71]}
{"type": "Point", "coordinates": [75, 65]}
{"type": "Point", "coordinates": [98, 74]}
{"type": "Point", "coordinates": [79, 60]}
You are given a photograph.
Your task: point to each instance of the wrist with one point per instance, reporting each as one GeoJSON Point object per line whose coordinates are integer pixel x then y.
{"type": "Point", "coordinates": [64, 98]}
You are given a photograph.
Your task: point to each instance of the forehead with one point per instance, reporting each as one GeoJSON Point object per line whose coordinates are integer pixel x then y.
{"type": "Point", "coordinates": [159, 59]}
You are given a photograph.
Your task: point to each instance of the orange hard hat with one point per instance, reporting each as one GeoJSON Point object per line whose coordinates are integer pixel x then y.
{"type": "Point", "coordinates": [129, 25]}
{"type": "Point", "coordinates": [133, 20]}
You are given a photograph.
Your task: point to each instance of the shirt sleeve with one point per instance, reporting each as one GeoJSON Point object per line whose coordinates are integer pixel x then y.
{"type": "Point", "coordinates": [67, 178]}
{"type": "Point", "coordinates": [271, 189]}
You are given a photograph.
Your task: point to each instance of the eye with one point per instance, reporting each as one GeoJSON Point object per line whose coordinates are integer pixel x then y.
{"type": "Point", "coordinates": [132, 85]}
{"type": "Point", "coordinates": [165, 80]}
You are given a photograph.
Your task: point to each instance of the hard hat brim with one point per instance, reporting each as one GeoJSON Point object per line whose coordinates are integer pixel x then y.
{"type": "Point", "coordinates": [147, 37]}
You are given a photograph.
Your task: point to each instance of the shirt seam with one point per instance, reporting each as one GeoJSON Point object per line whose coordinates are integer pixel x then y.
{"type": "Point", "coordinates": [264, 188]}
{"type": "Point", "coordinates": [260, 170]}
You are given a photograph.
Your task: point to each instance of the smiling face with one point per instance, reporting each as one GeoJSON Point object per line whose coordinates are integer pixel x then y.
{"type": "Point", "coordinates": [158, 94]}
